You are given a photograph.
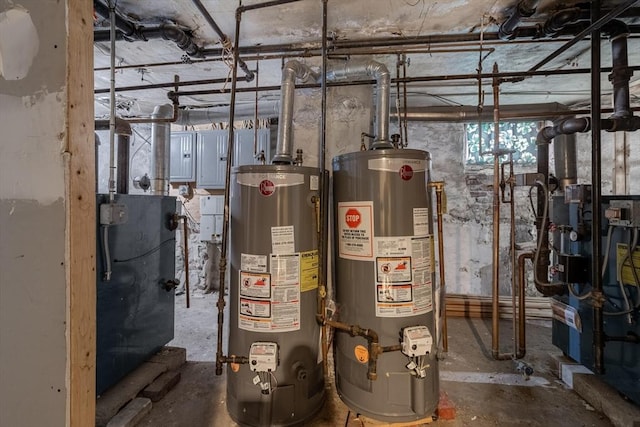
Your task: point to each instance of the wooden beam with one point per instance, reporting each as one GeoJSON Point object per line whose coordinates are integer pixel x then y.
{"type": "Point", "coordinates": [80, 253]}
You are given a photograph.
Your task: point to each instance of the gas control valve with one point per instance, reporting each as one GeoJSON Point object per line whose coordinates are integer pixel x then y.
{"type": "Point", "coordinates": [263, 357]}
{"type": "Point", "coordinates": [416, 341]}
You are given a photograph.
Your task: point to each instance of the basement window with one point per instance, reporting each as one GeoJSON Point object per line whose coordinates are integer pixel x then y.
{"type": "Point", "coordinates": [518, 136]}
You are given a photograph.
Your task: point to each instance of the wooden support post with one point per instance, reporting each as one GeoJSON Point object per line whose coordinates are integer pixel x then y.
{"type": "Point", "coordinates": [80, 256]}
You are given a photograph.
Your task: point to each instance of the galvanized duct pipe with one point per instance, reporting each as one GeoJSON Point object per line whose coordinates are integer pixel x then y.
{"type": "Point", "coordinates": [565, 159]}
{"type": "Point", "coordinates": [355, 69]}
{"type": "Point", "coordinates": [221, 114]}
{"type": "Point", "coordinates": [123, 138]}
{"type": "Point", "coordinates": [160, 150]}
{"type": "Point", "coordinates": [468, 113]}
{"type": "Point", "coordinates": [292, 70]}
{"type": "Point", "coordinates": [509, 29]}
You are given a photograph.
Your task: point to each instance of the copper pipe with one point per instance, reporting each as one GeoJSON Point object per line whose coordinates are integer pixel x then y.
{"type": "Point", "coordinates": [373, 344]}
{"type": "Point", "coordinates": [495, 294]}
{"type": "Point", "coordinates": [512, 240]}
{"type": "Point", "coordinates": [439, 188]}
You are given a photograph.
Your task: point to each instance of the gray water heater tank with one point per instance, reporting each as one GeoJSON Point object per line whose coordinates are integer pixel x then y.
{"type": "Point", "coordinates": [273, 296]}
{"type": "Point", "coordinates": [384, 281]}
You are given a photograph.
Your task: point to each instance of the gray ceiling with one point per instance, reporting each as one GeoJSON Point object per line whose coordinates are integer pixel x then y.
{"type": "Point", "coordinates": [431, 29]}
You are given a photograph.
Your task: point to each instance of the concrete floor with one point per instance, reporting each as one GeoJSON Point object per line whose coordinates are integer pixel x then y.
{"type": "Point", "coordinates": [484, 392]}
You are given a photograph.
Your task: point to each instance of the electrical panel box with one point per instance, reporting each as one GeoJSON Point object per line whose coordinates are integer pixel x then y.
{"type": "Point", "coordinates": [211, 218]}
{"type": "Point", "coordinates": [263, 356]}
{"type": "Point", "coordinates": [624, 213]}
{"type": "Point", "coordinates": [416, 341]}
{"type": "Point", "coordinates": [249, 144]}
{"type": "Point", "coordinates": [212, 159]}
{"type": "Point", "coordinates": [212, 147]}
{"type": "Point", "coordinates": [182, 157]}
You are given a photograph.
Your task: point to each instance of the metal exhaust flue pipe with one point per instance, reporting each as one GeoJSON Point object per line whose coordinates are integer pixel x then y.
{"type": "Point", "coordinates": [160, 150]}
{"type": "Point", "coordinates": [354, 69]}
{"type": "Point", "coordinates": [292, 70]}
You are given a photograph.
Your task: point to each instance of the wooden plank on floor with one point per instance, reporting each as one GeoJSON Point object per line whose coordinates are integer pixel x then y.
{"type": "Point", "coordinates": [161, 386]}
{"type": "Point", "coordinates": [116, 397]}
{"type": "Point", "coordinates": [130, 415]}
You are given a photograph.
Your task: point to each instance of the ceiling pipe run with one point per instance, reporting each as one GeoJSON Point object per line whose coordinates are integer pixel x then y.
{"type": "Point", "coordinates": [131, 32]}
{"type": "Point", "coordinates": [595, 26]}
{"type": "Point", "coordinates": [224, 39]}
{"type": "Point", "coordinates": [292, 70]}
{"type": "Point", "coordinates": [354, 69]}
{"type": "Point", "coordinates": [509, 28]}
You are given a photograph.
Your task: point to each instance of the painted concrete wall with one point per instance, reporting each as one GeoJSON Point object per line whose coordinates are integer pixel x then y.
{"type": "Point", "coordinates": [32, 224]}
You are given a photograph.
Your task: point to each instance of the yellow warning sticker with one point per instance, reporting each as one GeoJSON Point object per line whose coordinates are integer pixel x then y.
{"type": "Point", "coordinates": [628, 277]}
{"type": "Point", "coordinates": [361, 353]}
{"type": "Point", "coordinates": [309, 271]}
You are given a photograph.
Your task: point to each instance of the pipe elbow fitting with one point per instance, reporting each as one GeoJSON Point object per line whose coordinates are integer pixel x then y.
{"type": "Point", "coordinates": [560, 19]}
{"type": "Point", "coordinates": [616, 28]}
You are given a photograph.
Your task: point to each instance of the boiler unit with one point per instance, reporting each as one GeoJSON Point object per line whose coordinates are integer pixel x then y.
{"type": "Point", "coordinates": [384, 284]}
{"type": "Point", "coordinates": [273, 296]}
{"type": "Point", "coordinates": [573, 313]}
{"type": "Point", "coordinates": [135, 282]}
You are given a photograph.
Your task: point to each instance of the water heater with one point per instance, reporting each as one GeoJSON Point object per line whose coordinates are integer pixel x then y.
{"type": "Point", "coordinates": [273, 296]}
{"type": "Point", "coordinates": [384, 282]}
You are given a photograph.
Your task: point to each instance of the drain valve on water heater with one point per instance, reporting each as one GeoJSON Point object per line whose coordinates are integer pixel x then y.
{"type": "Point", "coordinates": [416, 341]}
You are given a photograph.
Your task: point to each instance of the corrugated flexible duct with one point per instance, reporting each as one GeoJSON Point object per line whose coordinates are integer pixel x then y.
{"type": "Point", "coordinates": [361, 69]}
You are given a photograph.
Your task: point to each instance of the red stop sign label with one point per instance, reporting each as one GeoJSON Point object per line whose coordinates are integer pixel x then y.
{"type": "Point", "coordinates": [406, 172]}
{"type": "Point", "coordinates": [267, 187]}
{"type": "Point", "coordinates": [352, 217]}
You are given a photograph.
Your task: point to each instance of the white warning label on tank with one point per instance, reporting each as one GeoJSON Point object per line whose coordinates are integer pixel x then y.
{"type": "Point", "coordinates": [355, 228]}
{"type": "Point", "coordinates": [256, 285]}
{"type": "Point", "coordinates": [397, 165]}
{"type": "Point", "coordinates": [420, 221]}
{"type": "Point", "coordinates": [403, 276]}
{"type": "Point", "coordinates": [253, 263]}
{"type": "Point", "coordinates": [255, 179]}
{"type": "Point", "coordinates": [282, 240]}
{"type": "Point", "coordinates": [279, 309]}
